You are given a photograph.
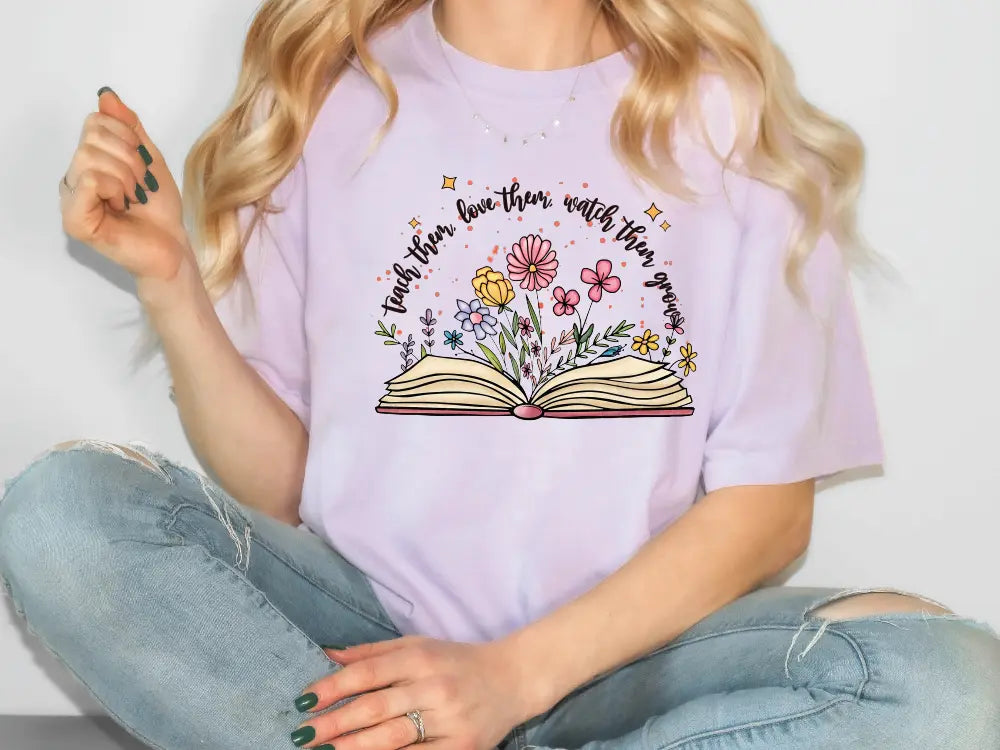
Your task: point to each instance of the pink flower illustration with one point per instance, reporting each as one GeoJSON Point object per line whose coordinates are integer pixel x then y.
{"type": "Point", "coordinates": [600, 280]}
{"type": "Point", "coordinates": [532, 261]}
{"type": "Point", "coordinates": [566, 302]}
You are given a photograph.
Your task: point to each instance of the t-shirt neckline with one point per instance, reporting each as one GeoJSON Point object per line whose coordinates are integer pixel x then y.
{"type": "Point", "coordinates": [479, 76]}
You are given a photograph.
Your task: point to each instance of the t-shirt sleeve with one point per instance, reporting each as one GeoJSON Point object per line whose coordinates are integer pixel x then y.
{"type": "Point", "coordinates": [274, 341]}
{"type": "Point", "coordinates": [794, 397]}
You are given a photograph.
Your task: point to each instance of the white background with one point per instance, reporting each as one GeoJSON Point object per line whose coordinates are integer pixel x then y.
{"type": "Point", "coordinates": [917, 79]}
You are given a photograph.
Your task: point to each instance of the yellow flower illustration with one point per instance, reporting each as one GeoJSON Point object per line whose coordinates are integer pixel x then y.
{"type": "Point", "coordinates": [646, 343]}
{"type": "Point", "coordinates": [686, 361]}
{"type": "Point", "coordinates": [492, 288]}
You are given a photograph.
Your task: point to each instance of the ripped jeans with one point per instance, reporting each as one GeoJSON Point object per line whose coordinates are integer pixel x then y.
{"type": "Point", "coordinates": [195, 621]}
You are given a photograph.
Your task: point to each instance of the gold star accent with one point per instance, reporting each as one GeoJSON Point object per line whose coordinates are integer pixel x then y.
{"type": "Point", "coordinates": [413, 222]}
{"type": "Point", "coordinates": [652, 212]}
{"type": "Point", "coordinates": [449, 183]}
{"type": "Point", "coordinates": [665, 225]}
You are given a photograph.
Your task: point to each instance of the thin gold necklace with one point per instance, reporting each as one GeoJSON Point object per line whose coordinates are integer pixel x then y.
{"type": "Point", "coordinates": [542, 133]}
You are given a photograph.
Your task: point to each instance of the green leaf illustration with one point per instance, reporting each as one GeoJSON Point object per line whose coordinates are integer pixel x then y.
{"type": "Point", "coordinates": [509, 335]}
{"type": "Point", "coordinates": [490, 356]}
{"type": "Point", "coordinates": [503, 346]}
{"type": "Point", "coordinates": [534, 320]}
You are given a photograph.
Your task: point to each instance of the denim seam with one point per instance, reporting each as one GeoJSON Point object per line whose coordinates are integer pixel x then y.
{"type": "Point", "coordinates": [858, 694]}
{"type": "Point", "coordinates": [384, 622]}
{"type": "Point", "coordinates": [697, 639]}
{"type": "Point", "coordinates": [519, 737]}
{"type": "Point", "coordinates": [291, 625]}
{"type": "Point", "coordinates": [286, 563]}
{"type": "Point", "coordinates": [689, 741]}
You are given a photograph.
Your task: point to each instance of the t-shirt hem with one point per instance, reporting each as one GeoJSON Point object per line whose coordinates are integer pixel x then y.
{"type": "Point", "coordinates": [778, 468]}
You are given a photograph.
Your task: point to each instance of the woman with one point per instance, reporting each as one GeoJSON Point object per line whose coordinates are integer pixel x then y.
{"type": "Point", "coordinates": [525, 410]}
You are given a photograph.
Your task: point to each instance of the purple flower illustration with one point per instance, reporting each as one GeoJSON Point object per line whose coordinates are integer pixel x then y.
{"type": "Point", "coordinates": [475, 316]}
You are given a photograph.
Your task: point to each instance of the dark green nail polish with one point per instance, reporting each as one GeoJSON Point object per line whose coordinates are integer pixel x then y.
{"type": "Point", "coordinates": [144, 153]}
{"type": "Point", "coordinates": [306, 701]}
{"type": "Point", "coordinates": [302, 735]}
{"type": "Point", "coordinates": [151, 182]}
{"type": "Point", "coordinates": [140, 194]}
{"type": "Point", "coordinates": [103, 89]}
{"type": "Point", "coordinates": [127, 203]}
{"type": "Point", "coordinates": [336, 648]}
{"type": "Point", "coordinates": [327, 746]}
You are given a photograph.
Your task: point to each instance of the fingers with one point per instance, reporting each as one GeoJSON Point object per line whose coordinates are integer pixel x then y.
{"type": "Point", "coordinates": [108, 159]}
{"type": "Point", "coordinates": [84, 215]}
{"type": "Point", "coordinates": [98, 120]}
{"type": "Point", "coordinates": [365, 650]}
{"type": "Point", "coordinates": [375, 719]}
{"type": "Point", "coordinates": [110, 104]}
{"type": "Point", "coordinates": [113, 136]}
{"type": "Point", "coordinates": [372, 673]}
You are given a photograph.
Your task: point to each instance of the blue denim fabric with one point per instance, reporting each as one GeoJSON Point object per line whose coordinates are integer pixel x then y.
{"type": "Point", "coordinates": [195, 622]}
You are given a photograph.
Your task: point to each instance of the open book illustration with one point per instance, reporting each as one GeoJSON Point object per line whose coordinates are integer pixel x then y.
{"type": "Point", "coordinates": [623, 387]}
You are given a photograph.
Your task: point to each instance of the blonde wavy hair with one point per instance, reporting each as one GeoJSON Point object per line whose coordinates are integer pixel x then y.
{"type": "Point", "coordinates": [296, 50]}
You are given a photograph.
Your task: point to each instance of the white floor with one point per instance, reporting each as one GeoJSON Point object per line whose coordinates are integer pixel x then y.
{"type": "Point", "coordinates": [58, 732]}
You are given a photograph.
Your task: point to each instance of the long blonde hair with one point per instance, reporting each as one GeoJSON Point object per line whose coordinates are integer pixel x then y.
{"type": "Point", "coordinates": [296, 50]}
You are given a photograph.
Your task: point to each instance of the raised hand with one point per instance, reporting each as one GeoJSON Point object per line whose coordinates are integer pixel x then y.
{"type": "Point", "coordinates": [119, 197]}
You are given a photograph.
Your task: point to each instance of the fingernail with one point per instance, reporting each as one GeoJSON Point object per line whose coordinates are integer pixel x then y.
{"type": "Point", "coordinates": [151, 182]}
{"type": "Point", "coordinates": [140, 194]}
{"type": "Point", "coordinates": [335, 648]}
{"type": "Point", "coordinates": [144, 153]}
{"type": "Point", "coordinates": [302, 735]}
{"type": "Point", "coordinates": [306, 701]}
{"type": "Point", "coordinates": [127, 203]}
{"type": "Point", "coordinates": [327, 746]}
{"type": "Point", "coordinates": [103, 89]}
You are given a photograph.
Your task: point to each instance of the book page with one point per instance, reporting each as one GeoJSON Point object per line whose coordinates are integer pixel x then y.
{"type": "Point", "coordinates": [437, 369]}
{"type": "Point", "coordinates": [623, 368]}
{"type": "Point", "coordinates": [597, 400]}
{"type": "Point", "coordinates": [446, 400]}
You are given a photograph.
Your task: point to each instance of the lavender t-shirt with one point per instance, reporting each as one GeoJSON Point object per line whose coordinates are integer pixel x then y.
{"type": "Point", "coordinates": [517, 363]}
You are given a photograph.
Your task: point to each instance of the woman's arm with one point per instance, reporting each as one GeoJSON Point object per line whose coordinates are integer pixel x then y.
{"type": "Point", "coordinates": [725, 545]}
{"type": "Point", "coordinates": [238, 427]}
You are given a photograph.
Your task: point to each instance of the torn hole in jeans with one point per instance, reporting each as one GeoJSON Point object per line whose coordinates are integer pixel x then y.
{"type": "Point", "coordinates": [147, 454]}
{"type": "Point", "coordinates": [221, 508]}
{"type": "Point", "coordinates": [809, 616]}
{"type": "Point", "coordinates": [219, 505]}
{"type": "Point", "coordinates": [156, 465]}
{"type": "Point", "coordinates": [147, 461]}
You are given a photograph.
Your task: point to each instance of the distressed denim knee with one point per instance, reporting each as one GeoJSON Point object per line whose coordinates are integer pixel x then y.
{"type": "Point", "coordinates": [61, 518]}
{"type": "Point", "coordinates": [944, 671]}
{"type": "Point", "coordinates": [932, 679]}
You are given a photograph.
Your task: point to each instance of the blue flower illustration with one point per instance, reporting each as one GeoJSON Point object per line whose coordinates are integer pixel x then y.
{"type": "Point", "coordinates": [475, 316]}
{"type": "Point", "coordinates": [453, 339]}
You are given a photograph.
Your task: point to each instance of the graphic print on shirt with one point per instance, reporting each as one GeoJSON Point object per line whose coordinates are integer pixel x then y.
{"type": "Point", "coordinates": [533, 331]}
